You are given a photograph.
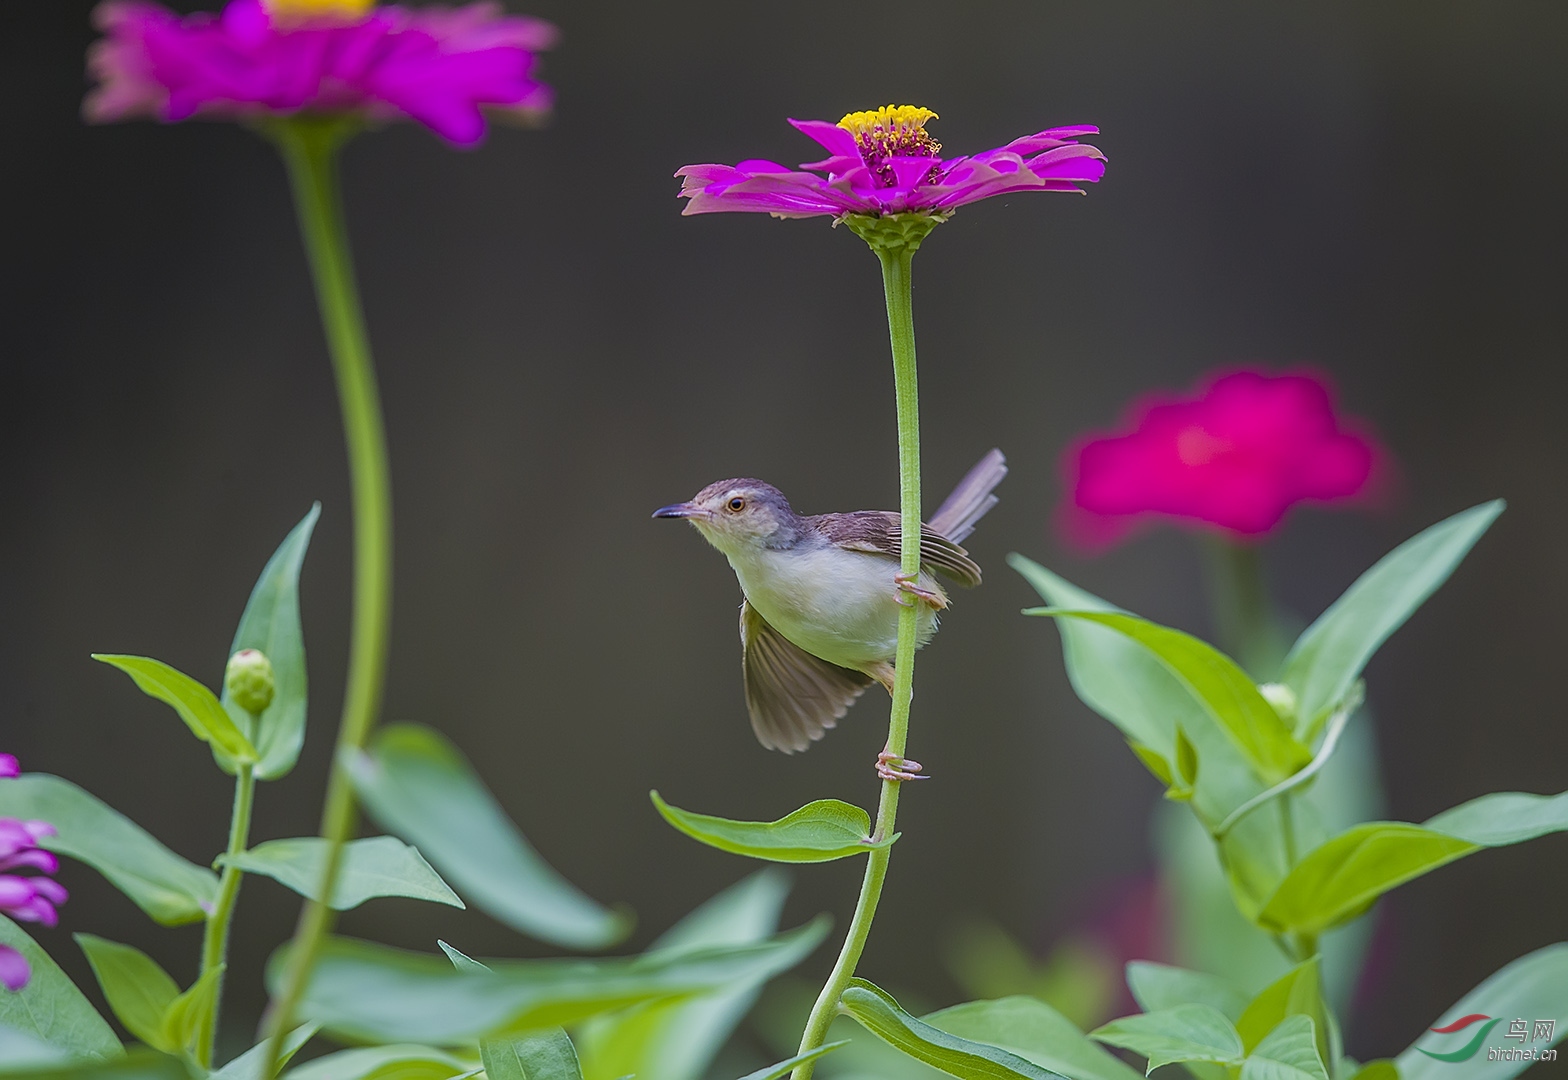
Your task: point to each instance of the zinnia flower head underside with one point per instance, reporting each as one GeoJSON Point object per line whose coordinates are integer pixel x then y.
{"type": "Point", "coordinates": [440, 67]}
{"type": "Point", "coordinates": [26, 898]}
{"type": "Point", "coordinates": [1238, 456]}
{"type": "Point", "coordinates": [883, 161]}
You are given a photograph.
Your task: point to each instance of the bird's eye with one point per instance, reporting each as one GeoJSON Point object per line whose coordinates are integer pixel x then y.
{"type": "Point", "coordinates": [736, 505]}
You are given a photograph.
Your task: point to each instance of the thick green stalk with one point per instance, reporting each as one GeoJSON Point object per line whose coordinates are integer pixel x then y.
{"type": "Point", "coordinates": [896, 260]}
{"type": "Point", "coordinates": [310, 150]}
{"type": "Point", "coordinates": [215, 937]}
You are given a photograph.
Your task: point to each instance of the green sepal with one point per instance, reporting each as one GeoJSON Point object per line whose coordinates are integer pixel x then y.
{"type": "Point", "coordinates": [198, 706]}
{"type": "Point", "coordinates": [894, 233]}
{"type": "Point", "coordinates": [822, 831]}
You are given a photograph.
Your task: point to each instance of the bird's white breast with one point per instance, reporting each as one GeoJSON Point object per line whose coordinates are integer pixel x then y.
{"type": "Point", "coordinates": [837, 604]}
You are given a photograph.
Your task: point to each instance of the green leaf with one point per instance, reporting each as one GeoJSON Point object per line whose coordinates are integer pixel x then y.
{"type": "Point", "coordinates": [537, 1055]}
{"type": "Point", "coordinates": [50, 1007]}
{"type": "Point", "coordinates": [373, 866]}
{"type": "Point", "coordinates": [876, 1011]}
{"type": "Point", "coordinates": [1296, 993]}
{"type": "Point", "coordinates": [1182, 1033]}
{"type": "Point", "coordinates": [1533, 987]}
{"type": "Point", "coordinates": [400, 1061]}
{"type": "Point", "coordinates": [137, 1065]}
{"type": "Point", "coordinates": [787, 1066]}
{"type": "Point", "coordinates": [818, 832]}
{"type": "Point", "coordinates": [250, 1064]}
{"type": "Point", "coordinates": [420, 787]}
{"type": "Point", "coordinates": [1034, 1031]}
{"type": "Point", "coordinates": [1289, 1052]}
{"type": "Point", "coordinates": [139, 992]}
{"type": "Point", "coordinates": [373, 993]}
{"type": "Point", "coordinates": [183, 1021]}
{"type": "Point", "coordinates": [1381, 1069]}
{"type": "Point", "coordinates": [197, 706]}
{"type": "Point", "coordinates": [461, 961]}
{"type": "Point", "coordinates": [1329, 655]}
{"type": "Point", "coordinates": [677, 1039]}
{"type": "Point", "coordinates": [172, 890]}
{"type": "Point", "coordinates": [1215, 681]}
{"type": "Point", "coordinates": [271, 624]}
{"type": "Point", "coordinates": [1160, 986]}
{"type": "Point", "coordinates": [1339, 880]}
{"type": "Point", "coordinates": [1503, 818]}
{"type": "Point", "coordinates": [20, 1051]}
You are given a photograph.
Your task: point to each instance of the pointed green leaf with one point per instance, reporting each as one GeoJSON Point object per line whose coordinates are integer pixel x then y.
{"type": "Point", "coordinates": [876, 1011]}
{"type": "Point", "coordinates": [678, 1039]}
{"type": "Point", "coordinates": [249, 1065]}
{"type": "Point", "coordinates": [1215, 681]}
{"type": "Point", "coordinates": [1289, 1052]}
{"type": "Point", "coordinates": [373, 866]}
{"type": "Point", "coordinates": [183, 1020]}
{"type": "Point", "coordinates": [818, 832]}
{"type": "Point", "coordinates": [1034, 1031]}
{"type": "Point", "coordinates": [1330, 654]}
{"type": "Point", "coordinates": [461, 961]}
{"type": "Point", "coordinates": [137, 1065]}
{"type": "Point", "coordinates": [419, 787]}
{"type": "Point", "coordinates": [1182, 1033]}
{"type": "Point", "coordinates": [1533, 987]}
{"type": "Point", "coordinates": [396, 1062]}
{"type": "Point", "coordinates": [1296, 993]}
{"type": "Point", "coordinates": [170, 889]}
{"type": "Point", "coordinates": [197, 706]}
{"type": "Point", "coordinates": [535, 1055]}
{"type": "Point", "coordinates": [1160, 986]}
{"type": "Point", "coordinates": [374, 993]}
{"type": "Point", "coordinates": [139, 992]}
{"type": "Point", "coordinates": [1503, 818]}
{"type": "Point", "coordinates": [271, 624]}
{"type": "Point", "coordinates": [50, 1007]}
{"type": "Point", "coordinates": [787, 1066]}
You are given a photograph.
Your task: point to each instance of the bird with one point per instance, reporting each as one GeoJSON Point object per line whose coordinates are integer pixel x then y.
{"type": "Point", "coordinates": [819, 622]}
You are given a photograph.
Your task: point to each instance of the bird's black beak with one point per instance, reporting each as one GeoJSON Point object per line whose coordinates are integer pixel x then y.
{"type": "Point", "coordinates": [680, 510]}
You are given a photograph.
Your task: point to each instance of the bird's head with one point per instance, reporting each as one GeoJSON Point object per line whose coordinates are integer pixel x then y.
{"type": "Point", "coordinates": [738, 515]}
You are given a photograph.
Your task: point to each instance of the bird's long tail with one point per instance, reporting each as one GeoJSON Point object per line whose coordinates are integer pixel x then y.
{"type": "Point", "coordinates": [956, 517]}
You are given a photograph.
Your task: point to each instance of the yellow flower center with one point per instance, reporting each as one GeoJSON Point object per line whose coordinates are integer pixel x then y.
{"type": "Point", "coordinates": [294, 10]}
{"type": "Point", "coordinates": [892, 131]}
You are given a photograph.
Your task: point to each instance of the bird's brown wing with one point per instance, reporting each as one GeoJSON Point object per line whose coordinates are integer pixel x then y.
{"type": "Point", "coordinates": [877, 532]}
{"type": "Point", "coordinates": [792, 696]}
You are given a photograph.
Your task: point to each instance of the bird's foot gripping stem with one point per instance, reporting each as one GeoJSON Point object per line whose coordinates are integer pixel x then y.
{"type": "Point", "coordinates": [907, 587]}
{"type": "Point", "coordinates": [891, 766]}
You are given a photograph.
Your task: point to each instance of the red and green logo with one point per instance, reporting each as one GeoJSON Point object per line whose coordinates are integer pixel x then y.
{"type": "Point", "coordinates": [1471, 1048]}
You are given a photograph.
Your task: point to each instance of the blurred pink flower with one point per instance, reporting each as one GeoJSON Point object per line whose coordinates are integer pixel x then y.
{"type": "Point", "coordinates": [884, 162]}
{"type": "Point", "coordinates": [265, 58]}
{"type": "Point", "coordinates": [1237, 456]}
{"type": "Point", "coordinates": [25, 898]}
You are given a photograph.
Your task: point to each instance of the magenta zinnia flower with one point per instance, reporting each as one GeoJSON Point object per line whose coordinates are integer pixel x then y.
{"type": "Point", "coordinates": [441, 67]}
{"type": "Point", "coordinates": [1237, 456]}
{"type": "Point", "coordinates": [29, 898]}
{"type": "Point", "coordinates": [885, 162]}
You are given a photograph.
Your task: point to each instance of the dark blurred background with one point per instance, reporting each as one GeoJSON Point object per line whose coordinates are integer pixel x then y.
{"type": "Point", "coordinates": [1376, 189]}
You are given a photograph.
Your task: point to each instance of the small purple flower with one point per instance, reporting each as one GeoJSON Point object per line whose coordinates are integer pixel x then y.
{"type": "Point", "coordinates": [885, 162]}
{"type": "Point", "coordinates": [441, 67]}
{"type": "Point", "coordinates": [25, 898]}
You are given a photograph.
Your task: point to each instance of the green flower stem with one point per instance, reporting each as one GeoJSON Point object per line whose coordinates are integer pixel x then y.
{"type": "Point", "coordinates": [215, 938]}
{"type": "Point", "coordinates": [1239, 601]}
{"type": "Point", "coordinates": [310, 150]}
{"type": "Point", "coordinates": [896, 259]}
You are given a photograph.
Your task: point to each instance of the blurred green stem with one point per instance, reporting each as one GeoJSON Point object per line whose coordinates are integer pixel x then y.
{"type": "Point", "coordinates": [896, 260]}
{"type": "Point", "coordinates": [215, 938]}
{"type": "Point", "coordinates": [1239, 602]}
{"type": "Point", "coordinates": [310, 149]}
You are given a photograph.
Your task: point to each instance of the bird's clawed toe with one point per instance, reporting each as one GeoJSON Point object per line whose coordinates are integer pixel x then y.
{"type": "Point", "coordinates": [891, 766]}
{"type": "Point", "coordinates": [907, 587]}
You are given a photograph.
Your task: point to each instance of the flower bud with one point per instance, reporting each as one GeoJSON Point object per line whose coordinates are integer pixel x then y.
{"type": "Point", "coordinates": [1282, 697]}
{"type": "Point", "coordinates": [249, 680]}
